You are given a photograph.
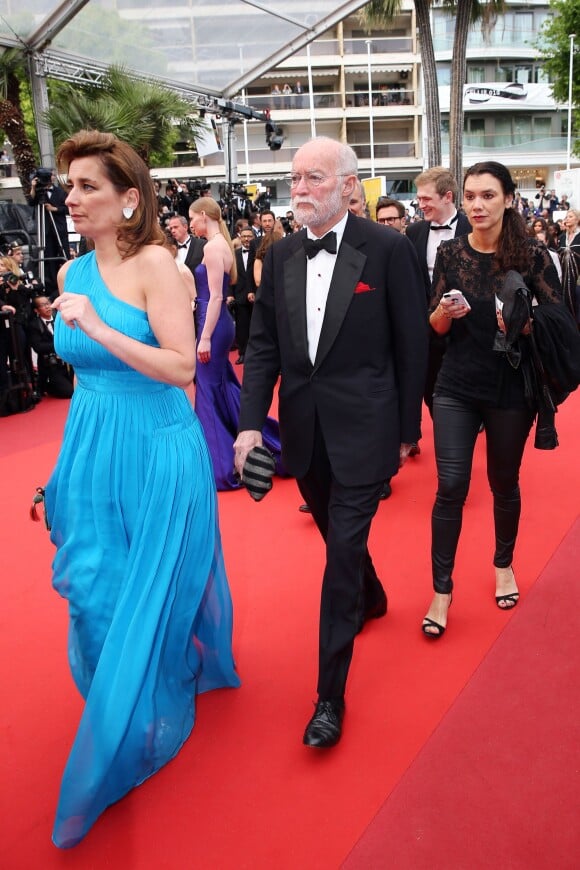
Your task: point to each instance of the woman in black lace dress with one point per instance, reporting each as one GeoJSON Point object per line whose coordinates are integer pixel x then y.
{"type": "Point", "coordinates": [477, 384]}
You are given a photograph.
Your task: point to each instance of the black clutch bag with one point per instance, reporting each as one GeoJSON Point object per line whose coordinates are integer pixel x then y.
{"type": "Point", "coordinates": [258, 472]}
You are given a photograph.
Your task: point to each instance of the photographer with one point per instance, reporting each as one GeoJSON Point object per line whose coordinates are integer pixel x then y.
{"type": "Point", "coordinates": [54, 247]}
{"type": "Point", "coordinates": [54, 376]}
{"type": "Point", "coordinates": [15, 300]}
{"type": "Point", "coordinates": [16, 296]}
{"type": "Point", "coordinates": [179, 197]}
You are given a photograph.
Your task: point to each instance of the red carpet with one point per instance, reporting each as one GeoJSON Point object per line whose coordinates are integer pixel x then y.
{"type": "Point", "coordinates": [244, 792]}
{"type": "Point", "coordinates": [498, 783]}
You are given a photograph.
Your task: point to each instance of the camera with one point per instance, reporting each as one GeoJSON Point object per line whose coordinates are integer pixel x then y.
{"type": "Point", "coordinates": [10, 278]}
{"type": "Point", "coordinates": [43, 178]}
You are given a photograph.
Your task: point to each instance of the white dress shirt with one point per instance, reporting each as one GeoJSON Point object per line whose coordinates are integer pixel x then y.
{"type": "Point", "coordinates": [182, 252]}
{"type": "Point", "coordinates": [319, 271]}
{"type": "Point", "coordinates": [435, 239]}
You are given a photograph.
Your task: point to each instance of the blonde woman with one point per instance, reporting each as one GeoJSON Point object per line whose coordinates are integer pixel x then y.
{"type": "Point", "coordinates": [217, 389]}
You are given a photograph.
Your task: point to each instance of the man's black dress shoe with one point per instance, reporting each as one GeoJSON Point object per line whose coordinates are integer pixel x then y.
{"type": "Point", "coordinates": [325, 727]}
{"type": "Point", "coordinates": [239, 360]}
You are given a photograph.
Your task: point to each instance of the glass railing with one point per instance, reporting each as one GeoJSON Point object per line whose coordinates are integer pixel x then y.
{"type": "Point", "coordinates": [514, 142]}
{"type": "Point", "coordinates": [384, 150]}
{"type": "Point", "coordinates": [500, 34]}
{"type": "Point", "coordinates": [331, 47]}
{"type": "Point", "coordinates": [259, 156]}
{"type": "Point", "coordinates": [384, 45]}
{"type": "Point", "coordinates": [383, 98]}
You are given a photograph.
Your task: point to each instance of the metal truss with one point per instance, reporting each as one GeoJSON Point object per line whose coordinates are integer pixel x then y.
{"type": "Point", "coordinates": [71, 69]}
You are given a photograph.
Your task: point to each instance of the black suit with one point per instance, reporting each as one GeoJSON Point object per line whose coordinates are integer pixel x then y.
{"type": "Point", "coordinates": [54, 376]}
{"type": "Point", "coordinates": [342, 419]}
{"type": "Point", "coordinates": [418, 234]}
{"type": "Point", "coordinates": [244, 285]}
{"type": "Point", "coordinates": [194, 253]}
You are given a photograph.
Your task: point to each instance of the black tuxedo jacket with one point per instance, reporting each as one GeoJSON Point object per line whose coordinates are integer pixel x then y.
{"type": "Point", "coordinates": [366, 384]}
{"type": "Point", "coordinates": [40, 337]}
{"type": "Point", "coordinates": [418, 234]}
{"type": "Point", "coordinates": [194, 253]}
{"type": "Point", "coordinates": [245, 280]}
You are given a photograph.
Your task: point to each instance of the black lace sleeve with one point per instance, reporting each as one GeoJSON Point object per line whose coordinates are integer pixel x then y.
{"type": "Point", "coordinates": [439, 284]}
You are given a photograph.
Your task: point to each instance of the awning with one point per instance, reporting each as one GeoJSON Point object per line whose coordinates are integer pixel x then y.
{"type": "Point", "coordinates": [363, 70]}
{"type": "Point", "coordinates": [301, 74]}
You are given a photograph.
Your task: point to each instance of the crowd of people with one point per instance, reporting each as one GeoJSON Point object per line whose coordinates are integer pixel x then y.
{"type": "Point", "coordinates": [359, 317]}
{"type": "Point", "coordinates": [27, 354]}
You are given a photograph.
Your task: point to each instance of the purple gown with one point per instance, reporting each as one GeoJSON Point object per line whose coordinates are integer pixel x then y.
{"type": "Point", "coordinates": [217, 391]}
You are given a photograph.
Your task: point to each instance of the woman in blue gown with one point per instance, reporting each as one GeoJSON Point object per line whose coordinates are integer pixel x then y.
{"type": "Point", "coordinates": [217, 389]}
{"type": "Point", "coordinates": [132, 501]}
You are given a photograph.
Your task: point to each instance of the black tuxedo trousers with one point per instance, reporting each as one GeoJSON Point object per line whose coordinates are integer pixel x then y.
{"type": "Point", "coordinates": [350, 584]}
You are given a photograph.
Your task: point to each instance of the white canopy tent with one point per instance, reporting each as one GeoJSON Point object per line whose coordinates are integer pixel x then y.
{"type": "Point", "coordinates": [201, 48]}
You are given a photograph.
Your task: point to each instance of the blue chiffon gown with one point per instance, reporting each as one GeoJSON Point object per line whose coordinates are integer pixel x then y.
{"type": "Point", "coordinates": [132, 508]}
{"type": "Point", "coordinates": [217, 392]}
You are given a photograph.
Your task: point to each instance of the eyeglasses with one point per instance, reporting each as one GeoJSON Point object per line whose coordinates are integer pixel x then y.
{"type": "Point", "coordinates": [312, 179]}
{"type": "Point", "coordinates": [389, 220]}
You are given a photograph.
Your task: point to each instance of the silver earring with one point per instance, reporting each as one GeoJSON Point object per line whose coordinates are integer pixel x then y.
{"type": "Point", "coordinates": [128, 212]}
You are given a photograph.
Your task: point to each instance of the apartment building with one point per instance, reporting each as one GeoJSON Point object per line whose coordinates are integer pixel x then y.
{"type": "Point", "coordinates": [367, 90]}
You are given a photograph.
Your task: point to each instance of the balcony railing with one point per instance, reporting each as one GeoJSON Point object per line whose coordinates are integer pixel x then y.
{"type": "Point", "coordinates": [382, 98]}
{"type": "Point", "coordinates": [385, 150]}
{"type": "Point", "coordinates": [331, 47]}
{"type": "Point", "coordinates": [504, 35]}
{"type": "Point", "coordinates": [516, 143]}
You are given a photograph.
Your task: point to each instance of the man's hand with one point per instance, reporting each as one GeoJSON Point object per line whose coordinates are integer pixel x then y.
{"type": "Point", "coordinates": [242, 446]}
{"type": "Point", "coordinates": [404, 451]}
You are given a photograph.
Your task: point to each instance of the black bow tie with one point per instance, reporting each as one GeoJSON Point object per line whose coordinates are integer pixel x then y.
{"type": "Point", "coordinates": [184, 245]}
{"type": "Point", "coordinates": [326, 243]}
{"type": "Point", "coordinates": [448, 226]}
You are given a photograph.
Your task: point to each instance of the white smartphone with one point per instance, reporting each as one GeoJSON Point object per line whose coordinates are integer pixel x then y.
{"type": "Point", "coordinates": [457, 297]}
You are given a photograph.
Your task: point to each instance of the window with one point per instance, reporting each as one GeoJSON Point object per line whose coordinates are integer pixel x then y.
{"type": "Point", "coordinates": [475, 74]}
{"type": "Point", "coordinates": [475, 132]}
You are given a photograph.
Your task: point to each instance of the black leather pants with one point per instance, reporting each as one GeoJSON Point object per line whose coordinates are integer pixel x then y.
{"type": "Point", "coordinates": [456, 425]}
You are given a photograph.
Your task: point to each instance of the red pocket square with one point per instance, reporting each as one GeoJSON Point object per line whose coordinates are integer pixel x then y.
{"type": "Point", "coordinates": [363, 288]}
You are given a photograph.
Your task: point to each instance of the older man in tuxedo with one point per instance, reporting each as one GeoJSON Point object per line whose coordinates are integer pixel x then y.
{"type": "Point", "coordinates": [341, 313]}
{"type": "Point", "coordinates": [437, 192]}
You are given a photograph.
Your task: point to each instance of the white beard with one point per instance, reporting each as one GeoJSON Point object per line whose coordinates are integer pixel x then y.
{"type": "Point", "coordinates": [316, 214]}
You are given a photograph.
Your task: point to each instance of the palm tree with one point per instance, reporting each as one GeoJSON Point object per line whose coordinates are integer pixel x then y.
{"type": "Point", "coordinates": [467, 13]}
{"type": "Point", "coordinates": [12, 122]}
{"type": "Point", "coordinates": [458, 79]}
{"type": "Point", "coordinates": [380, 13]}
{"type": "Point", "coordinates": [148, 116]}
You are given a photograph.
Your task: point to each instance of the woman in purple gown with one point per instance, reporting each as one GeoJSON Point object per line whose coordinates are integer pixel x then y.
{"type": "Point", "coordinates": [217, 389]}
